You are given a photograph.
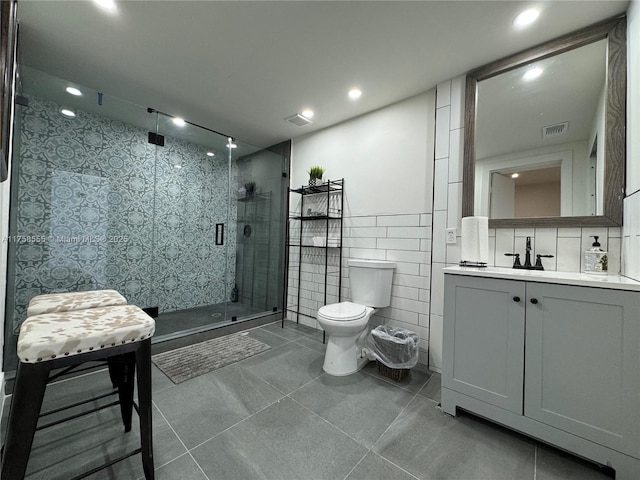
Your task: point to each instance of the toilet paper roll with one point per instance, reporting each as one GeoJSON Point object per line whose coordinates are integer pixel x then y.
{"type": "Point", "coordinates": [475, 239]}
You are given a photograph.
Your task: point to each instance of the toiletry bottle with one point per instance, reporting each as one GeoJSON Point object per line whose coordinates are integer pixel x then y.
{"type": "Point", "coordinates": [234, 293]}
{"type": "Point", "coordinates": [595, 259]}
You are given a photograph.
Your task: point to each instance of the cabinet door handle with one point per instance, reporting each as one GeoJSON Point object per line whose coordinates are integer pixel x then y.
{"type": "Point", "coordinates": [516, 299]}
{"type": "Point", "coordinates": [534, 301]}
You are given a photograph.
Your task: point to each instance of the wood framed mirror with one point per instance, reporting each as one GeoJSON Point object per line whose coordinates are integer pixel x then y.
{"type": "Point", "coordinates": [499, 102]}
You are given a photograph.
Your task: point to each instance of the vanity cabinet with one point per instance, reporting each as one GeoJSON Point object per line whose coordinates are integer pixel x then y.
{"type": "Point", "coordinates": [483, 350]}
{"type": "Point", "coordinates": [558, 362]}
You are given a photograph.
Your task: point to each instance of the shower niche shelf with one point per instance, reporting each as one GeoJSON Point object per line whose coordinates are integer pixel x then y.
{"type": "Point", "coordinates": [314, 244]}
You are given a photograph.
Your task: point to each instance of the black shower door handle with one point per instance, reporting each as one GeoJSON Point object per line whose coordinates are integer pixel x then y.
{"type": "Point", "coordinates": [219, 233]}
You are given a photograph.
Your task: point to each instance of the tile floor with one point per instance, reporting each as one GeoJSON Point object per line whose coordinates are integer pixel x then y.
{"type": "Point", "coordinates": [278, 416]}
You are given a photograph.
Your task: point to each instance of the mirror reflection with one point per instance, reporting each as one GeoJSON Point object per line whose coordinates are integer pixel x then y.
{"type": "Point", "coordinates": [539, 140]}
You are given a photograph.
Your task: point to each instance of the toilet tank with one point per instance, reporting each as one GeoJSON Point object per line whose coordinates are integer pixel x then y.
{"type": "Point", "coordinates": [370, 282]}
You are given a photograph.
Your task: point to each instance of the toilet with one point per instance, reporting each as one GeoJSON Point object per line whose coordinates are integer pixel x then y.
{"type": "Point", "coordinates": [346, 322]}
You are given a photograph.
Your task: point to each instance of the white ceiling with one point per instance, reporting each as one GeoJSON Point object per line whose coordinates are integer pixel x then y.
{"type": "Point", "coordinates": [242, 67]}
{"type": "Point", "coordinates": [511, 112]}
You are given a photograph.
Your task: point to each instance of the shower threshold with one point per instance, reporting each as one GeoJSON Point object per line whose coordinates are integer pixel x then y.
{"type": "Point", "coordinates": [203, 317]}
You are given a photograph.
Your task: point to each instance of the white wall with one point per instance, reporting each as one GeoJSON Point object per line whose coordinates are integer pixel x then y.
{"type": "Point", "coordinates": [386, 160]}
{"type": "Point", "coordinates": [382, 156]}
{"type": "Point", "coordinates": [631, 226]}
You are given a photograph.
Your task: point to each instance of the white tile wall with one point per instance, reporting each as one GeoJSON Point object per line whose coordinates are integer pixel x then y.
{"type": "Point", "coordinates": [630, 235]}
{"type": "Point", "coordinates": [404, 239]}
{"type": "Point", "coordinates": [630, 240]}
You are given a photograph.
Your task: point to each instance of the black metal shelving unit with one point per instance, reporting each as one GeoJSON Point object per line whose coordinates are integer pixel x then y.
{"type": "Point", "coordinates": [320, 211]}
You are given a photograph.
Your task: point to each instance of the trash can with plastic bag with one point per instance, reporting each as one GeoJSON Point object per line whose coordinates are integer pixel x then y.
{"type": "Point", "coordinates": [395, 350]}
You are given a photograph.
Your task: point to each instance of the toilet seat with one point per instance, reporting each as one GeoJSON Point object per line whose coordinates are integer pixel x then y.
{"type": "Point", "coordinates": [343, 311]}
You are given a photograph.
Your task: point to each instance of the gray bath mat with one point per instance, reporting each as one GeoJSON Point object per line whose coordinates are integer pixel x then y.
{"type": "Point", "coordinates": [194, 360]}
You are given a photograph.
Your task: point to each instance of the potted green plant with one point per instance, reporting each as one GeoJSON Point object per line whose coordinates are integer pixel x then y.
{"type": "Point", "coordinates": [250, 188]}
{"type": "Point", "coordinates": [315, 175]}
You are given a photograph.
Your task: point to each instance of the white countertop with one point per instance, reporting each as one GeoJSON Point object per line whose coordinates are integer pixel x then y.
{"type": "Point", "coordinates": [616, 282]}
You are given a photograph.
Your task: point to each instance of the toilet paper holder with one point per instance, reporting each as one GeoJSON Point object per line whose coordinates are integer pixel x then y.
{"type": "Point", "coordinates": [466, 263]}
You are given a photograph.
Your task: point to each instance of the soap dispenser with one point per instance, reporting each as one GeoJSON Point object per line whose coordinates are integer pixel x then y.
{"type": "Point", "coordinates": [595, 259]}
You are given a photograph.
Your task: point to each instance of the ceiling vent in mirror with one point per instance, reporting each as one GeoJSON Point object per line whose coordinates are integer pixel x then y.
{"type": "Point", "coordinates": [298, 120]}
{"type": "Point", "coordinates": [556, 130]}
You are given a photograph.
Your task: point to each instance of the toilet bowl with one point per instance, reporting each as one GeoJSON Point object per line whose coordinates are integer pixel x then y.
{"type": "Point", "coordinates": [346, 323]}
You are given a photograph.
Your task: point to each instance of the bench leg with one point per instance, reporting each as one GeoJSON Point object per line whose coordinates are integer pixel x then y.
{"type": "Point", "coordinates": [123, 368]}
{"type": "Point", "coordinates": [30, 385]}
{"type": "Point", "coordinates": [143, 366]}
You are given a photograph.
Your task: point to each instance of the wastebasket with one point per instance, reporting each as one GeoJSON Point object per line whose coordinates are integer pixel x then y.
{"type": "Point", "coordinates": [395, 350]}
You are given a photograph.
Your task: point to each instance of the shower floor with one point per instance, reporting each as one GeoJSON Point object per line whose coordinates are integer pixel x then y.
{"type": "Point", "coordinates": [208, 315]}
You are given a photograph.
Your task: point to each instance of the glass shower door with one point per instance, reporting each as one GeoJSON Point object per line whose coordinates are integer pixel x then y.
{"type": "Point", "coordinates": [81, 199]}
{"type": "Point", "coordinates": [193, 239]}
{"type": "Point", "coordinates": [260, 198]}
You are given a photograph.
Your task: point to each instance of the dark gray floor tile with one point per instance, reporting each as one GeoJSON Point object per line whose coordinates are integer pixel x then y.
{"type": "Point", "coordinates": [432, 389]}
{"type": "Point", "coordinates": [281, 442]}
{"type": "Point", "coordinates": [552, 464]}
{"type": "Point", "coordinates": [204, 406]}
{"type": "Point", "coordinates": [293, 330]}
{"type": "Point", "coordinates": [182, 468]}
{"type": "Point", "coordinates": [268, 337]}
{"type": "Point", "coordinates": [433, 446]}
{"type": "Point", "coordinates": [286, 368]}
{"type": "Point", "coordinates": [71, 390]}
{"type": "Point", "coordinates": [360, 405]}
{"type": "Point", "coordinates": [416, 379]}
{"type": "Point", "coordinates": [77, 446]}
{"type": "Point", "coordinates": [313, 343]}
{"type": "Point", "coordinates": [159, 381]}
{"type": "Point", "coordinates": [374, 467]}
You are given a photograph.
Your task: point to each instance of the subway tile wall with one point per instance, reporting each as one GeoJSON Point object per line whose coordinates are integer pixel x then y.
{"type": "Point", "coordinates": [404, 239]}
{"type": "Point", "coordinates": [631, 236]}
{"type": "Point", "coordinates": [567, 245]}
{"type": "Point", "coordinates": [631, 220]}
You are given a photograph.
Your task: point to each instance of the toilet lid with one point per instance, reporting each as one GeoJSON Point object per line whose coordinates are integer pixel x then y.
{"type": "Point", "coordinates": [343, 311]}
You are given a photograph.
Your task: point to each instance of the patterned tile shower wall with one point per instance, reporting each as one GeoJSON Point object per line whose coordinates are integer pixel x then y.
{"type": "Point", "coordinates": [105, 209]}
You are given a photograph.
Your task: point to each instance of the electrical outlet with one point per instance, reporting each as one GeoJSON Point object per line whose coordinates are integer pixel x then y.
{"type": "Point", "coordinates": [451, 236]}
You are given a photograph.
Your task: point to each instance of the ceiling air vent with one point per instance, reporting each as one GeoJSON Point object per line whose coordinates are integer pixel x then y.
{"type": "Point", "coordinates": [298, 120]}
{"type": "Point", "coordinates": [556, 130]}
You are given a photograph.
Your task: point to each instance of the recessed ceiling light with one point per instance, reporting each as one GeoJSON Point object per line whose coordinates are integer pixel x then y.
{"type": "Point", "coordinates": [355, 93]}
{"type": "Point", "coordinates": [73, 91]}
{"type": "Point", "coordinates": [526, 18]}
{"type": "Point", "coordinates": [515, 175]}
{"type": "Point", "coordinates": [210, 154]}
{"type": "Point", "coordinates": [179, 121]}
{"type": "Point", "coordinates": [67, 112]}
{"type": "Point", "coordinates": [307, 113]}
{"type": "Point", "coordinates": [532, 74]}
{"type": "Point", "coordinates": [107, 5]}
